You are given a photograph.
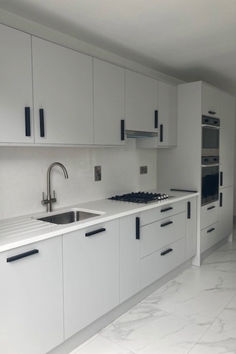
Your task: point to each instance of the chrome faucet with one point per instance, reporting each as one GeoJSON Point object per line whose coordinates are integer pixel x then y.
{"type": "Point", "coordinates": [49, 200]}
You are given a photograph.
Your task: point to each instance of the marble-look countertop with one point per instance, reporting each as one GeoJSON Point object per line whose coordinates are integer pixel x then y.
{"type": "Point", "coordinates": [23, 230]}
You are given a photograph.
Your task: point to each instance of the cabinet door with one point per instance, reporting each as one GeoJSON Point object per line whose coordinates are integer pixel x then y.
{"type": "Point", "coordinates": [140, 102]}
{"type": "Point", "coordinates": [226, 212]}
{"type": "Point", "coordinates": [109, 98]}
{"type": "Point", "coordinates": [62, 80]}
{"type": "Point", "coordinates": [31, 304]}
{"type": "Point", "coordinates": [227, 118]}
{"type": "Point", "coordinates": [15, 86]}
{"type": "Point", "coordinates": [129, 256]}
{"type": "Point", "coordinates": [191, 228]}
{"type": "Point", "coordinates": [91, 274]}
{"type": "Point", "coordinates": [210, 100]}
{"type": "Point", "coordinates": [167, 114]}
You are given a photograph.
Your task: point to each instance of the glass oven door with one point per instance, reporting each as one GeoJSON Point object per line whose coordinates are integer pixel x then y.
{"type": "Point", "coordinates": [210, 184]}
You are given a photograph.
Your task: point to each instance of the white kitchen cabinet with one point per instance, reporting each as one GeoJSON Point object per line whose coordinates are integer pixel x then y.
{"type": "Point", "coordinates": [129, 256]}
{"type": "Point", "coordinates": [209, 214]}
{"type": "Point", "coordinates": [62, 82]}
{"type": "Point", "coordinates": [109, 95]}
{"type": "Point", "coordinates": [91, 274]}
{"type": "Point", "coordinates": [226, 212]}
{"type": "Point", "coordinates": [140, 102]}
{"type": "Point", "coordinates": [210, 100]}
{"type": "Point", "coordinates": [15, 87]}
{"type": "Point", "coordinates": [31, 304]}
{"type": "Point", "coordinates": [191, 228]}
{"type": "Point", "coordinates": [209, 237]}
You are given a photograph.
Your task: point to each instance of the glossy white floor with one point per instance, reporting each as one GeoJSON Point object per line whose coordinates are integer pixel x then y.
{"type": "Point", "coordinates": [193, 313]}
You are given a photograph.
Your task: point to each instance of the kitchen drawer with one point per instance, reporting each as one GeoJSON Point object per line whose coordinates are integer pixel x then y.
{"type": "Point", "coordinates": [158, 263]}
{"type": "Point", "coordinates": [161, 212]}
{"type": "Point", "coordinates": [209, 214]}
{"type": "Point", "coordinates": [209, 236]}
{"type": "Point", "coordinates": [161, 233]}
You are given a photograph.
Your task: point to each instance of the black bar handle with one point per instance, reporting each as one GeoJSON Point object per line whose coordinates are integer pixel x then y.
{"type": "Point", "coordinates": [221, 199]}
{"type": "Point", "coordinates": [210, 230]}
{"type": "Point", "coordinates": [212, 112]}
{"type": "Point", "coordinates": [27, 122]}
{"type": "Point", "coordinates": [189, 210]}
{"type": "Point", "coordinates": [166, 251]}
{"type": "Point", "coordinates": [41, 122]}
{"type": "Point", "coordinates": [122, 129]}
{"type": "Point", "coordinates": [211, 207]}
{"type": "Point", "coordinates": [98, 231]}
{"type": "Point", "coordinates": [161, 132]}
{"type": "Point", "coordinates": [137, 226]}
{"type": "Point", "coordinates": [156, 119]}
{"type": "Point", "coordinates": [221, 178]}
{"type": "Point", "coordinates": [166, 223]}
{"type": "Point", "coordinates": [166, 209]}
{"type": "Point", "coordinates": [22, 255]}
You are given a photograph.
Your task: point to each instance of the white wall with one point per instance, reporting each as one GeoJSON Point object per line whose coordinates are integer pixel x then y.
{"type": "Point", "coordinates": [23, 175]}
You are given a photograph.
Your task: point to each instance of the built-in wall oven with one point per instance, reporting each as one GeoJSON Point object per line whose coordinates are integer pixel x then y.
{"type": "Point", "coordinates": [210, 159]}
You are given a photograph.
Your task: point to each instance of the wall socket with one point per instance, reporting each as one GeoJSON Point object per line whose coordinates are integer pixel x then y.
{"type": "Point", "coordinates": [143, 170]}
{"type": "Point", "coordinates": [97, 173]}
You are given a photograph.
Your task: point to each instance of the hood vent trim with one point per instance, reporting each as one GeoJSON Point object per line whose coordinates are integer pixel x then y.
{"type": "Point", "coordinates": [131, 134]}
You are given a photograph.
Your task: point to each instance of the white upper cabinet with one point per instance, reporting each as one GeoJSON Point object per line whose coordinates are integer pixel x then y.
{"type": "Point", "coordinates": [16, 116]}
{"type": "Point", "coordinates": [109, 94]}
{"type": "Point", "coordinates": [210, 100]}
{"type": "Point", "coordinates": [140, 102]}
{"type": "Point", "coordinates": [62, 83]}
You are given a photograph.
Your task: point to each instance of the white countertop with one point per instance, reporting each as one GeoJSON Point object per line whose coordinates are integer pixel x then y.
{"type": "Point", "coordinates": [23, 230]}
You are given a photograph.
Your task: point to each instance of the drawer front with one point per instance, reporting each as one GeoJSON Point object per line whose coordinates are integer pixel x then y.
{"type": "Point", "coordinates": [161, 262]}
{"type": "Point", "coordinates": [209, 236]}
{"type": "Point", "coordinates": [209, 214]}
{"type": "Point", "coordinates": [161, 212]}
{"type": "Point", "coordinates": [161, 233]}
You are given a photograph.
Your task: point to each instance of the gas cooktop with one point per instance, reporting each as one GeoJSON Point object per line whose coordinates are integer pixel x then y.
{"type": "Point", "coordinates": [140, 197]}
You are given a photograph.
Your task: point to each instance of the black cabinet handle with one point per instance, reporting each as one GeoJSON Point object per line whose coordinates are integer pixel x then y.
{"type": "Point", "coordinates": [41, 123]}
{"type": "Point", "coordinates": [212, 112]}
{"type": "Point", "coordinates": [189, 210]}
{"type": "Point", "coordinates": [210, 230]}
{"type": "Point", "coordinates": [166, 209]}
{"type": "Point", "coordinates": [156, 119]}
{"type": "Point", "coordinates": [137, 224]}
{"type": "Point", "coordinates": [221, 199]}
{"type": "Point", "coordinates": [122, 129]}
{"type": "Point", "coordinates": [211, 207]}
{"type": "Point", "coordinates": [166, 251]}
{"type": "Point", "coordinates": [221, 178]}
{"type": "Point", "coordinates": [98, 231]}
{"type": "Point", "coordinates": [161, 132]}
{"type": "Point", "coordinates": [22, 255]}
{"type": "Point", "coordinates": [27, 122]}
{"type": "Point", "coordinates": [166, 223]}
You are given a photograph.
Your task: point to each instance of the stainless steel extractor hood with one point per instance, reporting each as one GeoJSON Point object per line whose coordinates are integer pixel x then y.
{"type": "Point", "coordinates": [139, 134]}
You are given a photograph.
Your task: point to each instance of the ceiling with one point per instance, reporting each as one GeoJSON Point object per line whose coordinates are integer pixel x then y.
{"type": "Point", "coordinates": [189, 39]}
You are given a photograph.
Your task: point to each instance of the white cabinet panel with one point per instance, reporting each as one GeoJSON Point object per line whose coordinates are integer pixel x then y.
{"type": "Point", "coordinates": [226, 212]}
{"type": "Point", "coordinates": [191, 228]}
{"type": "Point", "coordinates": [31, 304]}
{"type": "Point", "coordinates": [209, 214]}
{"type": "Point", "coordinates": [129, 257]}
{"type": "Point", "coordinates": [167, 210]}
{"type": "Point", "coordinates": [109, 95]}
{"type": "Point", "coordinates": [91, 275]}
{"type": "Point", "coordinates": [209, 236]}
{"type": "Point", "coordinates": [62, 81]}
{"type": "Point", "coordinates": [15, 85]}
{"type": "Point", "coordinates": [210, 100]}
{"type": "Point", "coordinates": [140, 102]}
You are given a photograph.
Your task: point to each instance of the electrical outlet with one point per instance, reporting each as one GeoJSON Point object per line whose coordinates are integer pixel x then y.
{"type": "Point", "coordinates": [97, 173]}
{"type": "Point", "coordinates": [143, 170]}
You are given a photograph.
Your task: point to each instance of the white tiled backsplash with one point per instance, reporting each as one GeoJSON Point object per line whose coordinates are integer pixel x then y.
{"type": "Point", "coordinates": [23, 175]}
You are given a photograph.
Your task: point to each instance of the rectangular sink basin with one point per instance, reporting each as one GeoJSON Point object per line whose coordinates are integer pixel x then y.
{"type": "Point", "coordinates": [68, 217]}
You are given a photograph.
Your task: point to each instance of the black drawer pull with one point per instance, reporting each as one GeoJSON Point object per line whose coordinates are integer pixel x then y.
{"type": "Point", "coordinates": [161, 133]}
{"type": "Point", "coordinates": [166, 223]}
{"type": "Point", "coordinates": [188, 210]}
{"type": "Point", "coordinates": [137, 221]}
{"type": "Point", "coordinates": [41, 123]}
{"type": "Point", "coordinates": [166, 209]}
{"type": "Point", "coordinates": [221, 178]}
{"type": "Point", "coordinates": [212, 112]}
{"type": "Point", "coordinates": [22, 255]}
{"type": "Point", "coordinates": [122, 129]}
{"type": "Point", "coordinates": [210, 230]}
{"type": "Point", "coordinates": [211, 207]}
{"type": "Point", "coordinates": [27, 122]}
{"type": "Point", "coordinates": [156, 119]}
{"type": "Point", "coordinates": [221, 199]}
{"type": "Point", "coordinates": [166, 251]}
{"type": "Point", "coordinates": [98, 231]}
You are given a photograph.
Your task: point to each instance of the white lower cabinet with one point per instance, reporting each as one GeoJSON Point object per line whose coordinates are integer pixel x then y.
{"type": "Point", "coordinates": [31, 307]}
{"type": "Point", "coordinates": [91, 274]}
{"type": "Point", "coordinates": [209, 236]}
{"type": "Point", "coordinates": [226, 212]}
{"type": "Point", "coordinates": [191, 228]}
{"type": "Point", "coordinates": [209, 214]}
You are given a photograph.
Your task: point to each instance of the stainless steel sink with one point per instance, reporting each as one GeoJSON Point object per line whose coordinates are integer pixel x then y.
{"type": "Point", "coordinates": [68, 217]}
